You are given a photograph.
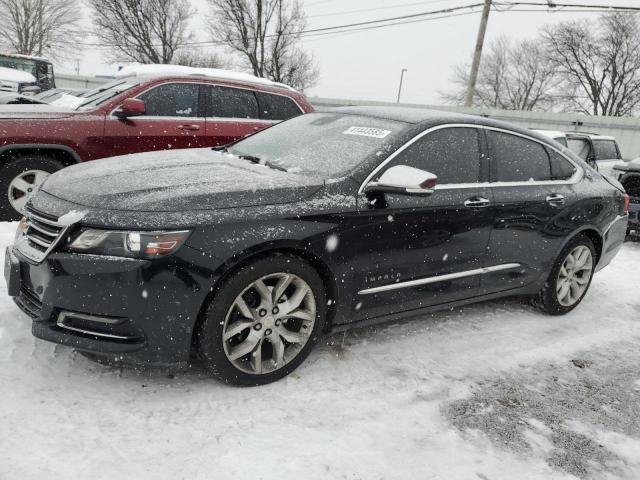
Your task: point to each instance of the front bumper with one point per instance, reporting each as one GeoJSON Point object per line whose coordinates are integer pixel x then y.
{"type": "Point", "coordinates": [137, 311]}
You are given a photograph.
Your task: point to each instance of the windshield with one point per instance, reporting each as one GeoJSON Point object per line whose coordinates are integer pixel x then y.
{"type": "Point", "coordinates": [98, 96]}
{"type": "Point", "coordinates": [318, 143]}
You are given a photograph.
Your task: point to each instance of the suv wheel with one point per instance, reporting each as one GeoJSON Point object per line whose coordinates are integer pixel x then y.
{"type": "Point", "coordinates": [263, 322]}
{"type": "Point", "coordinates": [20, 179]}
{"type": "Point", "coordinates": [570, 277]}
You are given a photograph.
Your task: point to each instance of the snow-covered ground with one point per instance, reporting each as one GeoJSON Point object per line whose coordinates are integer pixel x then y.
{"type": "Point", "coordinates": [491, 391]}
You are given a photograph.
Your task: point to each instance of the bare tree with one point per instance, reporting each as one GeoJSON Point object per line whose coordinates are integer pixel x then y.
{"type": "Point", "coordinates": [266, 34]}
{"type": "Point", "coordinates": [599, 62]}
{"type": "Point", "coordinates": [513, 76]}
{"type": "Point", "coordinates": [145, 31]}
{"type": "Point", "coordinates": [199, 58]}
{"type": "Point", "coordinates": [36, 27]}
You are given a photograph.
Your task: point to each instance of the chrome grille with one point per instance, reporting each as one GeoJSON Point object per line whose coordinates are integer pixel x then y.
{"type": "Point", "coordinates": [43, 230]}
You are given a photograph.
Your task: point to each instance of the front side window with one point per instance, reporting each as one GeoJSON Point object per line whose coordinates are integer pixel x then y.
{"type": "Point", "coordinates": [277, 107]}
{"type": "Point", "coordinates": [605, 149]}
{"type": "Point", "coordinates": [172, 100]}
{"type": "Point", "coordinates": [453, 154]}
{"type": "Point", "coordinates": [517, 159]}
{"type": "Point", "coordinates": [227, 102]}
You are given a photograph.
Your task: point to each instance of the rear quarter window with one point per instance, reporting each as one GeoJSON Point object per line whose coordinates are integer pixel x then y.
{"type": "Point", "coordinates": [277, 107]}
{"type": "Point", "coordinates": [517, 159]}
{"type": "Point", "coordinates": [561, 168]}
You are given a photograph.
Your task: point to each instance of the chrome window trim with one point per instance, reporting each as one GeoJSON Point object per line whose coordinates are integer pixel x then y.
{"type": "Point", "coordinates": [217, 119]}
{"type": "Point", "coordinates": [438, 278]}
{"type": "Point", "coordinates": [575, 178]}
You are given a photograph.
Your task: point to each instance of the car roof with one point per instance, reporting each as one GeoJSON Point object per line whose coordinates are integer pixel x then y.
{"type": "Point", "coordinates": [428, 118]}
{"type": "Point", "coordinates": [153, 71]}
{"type": "Point", "coordinates": [592, 136]}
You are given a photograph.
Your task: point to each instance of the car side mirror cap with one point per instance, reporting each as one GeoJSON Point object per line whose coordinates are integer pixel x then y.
{"type": "Point", "coordinates": [131, 107]}
{"type": "Point", "coordinates": [404, 180]}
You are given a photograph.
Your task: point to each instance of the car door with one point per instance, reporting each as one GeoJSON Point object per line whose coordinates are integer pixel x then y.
{"type": "Point", "coordinates": [416, 251]}
{"type": "Point", "coordinates": [534, 197]}
{"type": "Point", "coordinates": [232, 113]}
{"type": "Point", "coordinates": [173, 119]}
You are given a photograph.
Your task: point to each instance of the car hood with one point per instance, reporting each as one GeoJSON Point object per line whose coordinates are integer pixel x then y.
{"type": "Point", "coordinates": [176, 181]}
{"type": "Point", "coordinates": [37, 111]}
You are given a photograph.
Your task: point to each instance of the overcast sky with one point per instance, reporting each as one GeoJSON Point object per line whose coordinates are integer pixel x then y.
{"type": "Point", "coordinates": [367, 64]}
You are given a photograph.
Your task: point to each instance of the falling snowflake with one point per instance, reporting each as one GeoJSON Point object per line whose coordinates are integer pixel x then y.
{"type": "Point", "coordinates": [390, 218]}
{"type": "Point", "coordinates": [332, 243]}
{"type": "Point", "coordinates": [145, 294]}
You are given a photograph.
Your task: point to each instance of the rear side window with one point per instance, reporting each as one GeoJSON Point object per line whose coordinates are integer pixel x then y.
{"type": "Point", "coordinates": [453, 154]}
{"type": "Point", "coordinates": [172, 100]}
{"type": "Point", "coordinates": [230, 102]}
{"type": "Point", "coordinates": [277, 107]}
{"type": "Point", "coordinates": [561, 168]}
{"type": "Point", "coordinates": [517, 159]}
{"type": "Point", "coordinates": [605, 149]}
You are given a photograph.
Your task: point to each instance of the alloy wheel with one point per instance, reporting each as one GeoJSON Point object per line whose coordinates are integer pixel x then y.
{"type": "Point", "coordinates": [574, 276]}
{"type": "Point", "coordinates": [23, 186]}
{"type": "Point", "coordinates": [269, 323]}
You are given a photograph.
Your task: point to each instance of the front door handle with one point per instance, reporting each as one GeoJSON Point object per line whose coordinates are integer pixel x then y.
{"type": "Point", "coordinates": [555, 199]}
{"type": "Point", "coordinates": [189, 127]}
{"type": "Point", "coordinates": [477, 202]}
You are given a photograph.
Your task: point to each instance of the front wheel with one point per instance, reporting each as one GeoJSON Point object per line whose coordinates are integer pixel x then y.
{"type": "Point", "coordinates": [20, 179]}
{"type": "Point", "coordinates": [570, 277]}
{"type": "Point", "coordinates": [263, 321]}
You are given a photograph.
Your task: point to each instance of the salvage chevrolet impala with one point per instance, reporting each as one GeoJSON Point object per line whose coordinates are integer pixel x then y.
{"type": "Point", "coordinates": [246, 255]}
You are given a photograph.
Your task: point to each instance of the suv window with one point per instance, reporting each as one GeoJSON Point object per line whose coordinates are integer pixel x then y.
{"type": "Point", "coordinates": [228, 102]}
{"type": "Point", "coordinates": [580, 147]}
{"type": "Point", "coordinates": [561, 168]}
{"type": "Point", "coordinates": [518, 159]}
{"type": "Point", "coordinates": [277, 107]}
{"type": "Point", "coordinates": [453, 154]}
{"type": "Point", "coordinates": [605, 149]}
{"type": "Point", "coordinates": [172, 100]}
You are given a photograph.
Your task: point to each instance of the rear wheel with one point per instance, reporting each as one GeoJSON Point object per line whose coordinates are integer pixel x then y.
{"type": "Point", "coordinates": [263, 322]}
{"type": "Point", "coordinates": [20, 179]}
{"type": "Point", "coordinates": [570, 277]}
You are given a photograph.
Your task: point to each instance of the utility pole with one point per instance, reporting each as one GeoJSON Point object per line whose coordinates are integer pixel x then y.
{"type": "Point", "coordinates": [477, 55]}
{"type": "Point", "coordinates": [400, 87]}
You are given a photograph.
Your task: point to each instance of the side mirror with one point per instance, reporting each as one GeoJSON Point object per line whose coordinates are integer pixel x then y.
{"type": "Point", "coordinates": [404, 180]}
{"type": "Point", "coordinates": [131, 107]}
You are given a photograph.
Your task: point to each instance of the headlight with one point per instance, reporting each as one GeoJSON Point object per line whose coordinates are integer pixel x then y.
{"type": "Point", "coordinates": [128, 244]}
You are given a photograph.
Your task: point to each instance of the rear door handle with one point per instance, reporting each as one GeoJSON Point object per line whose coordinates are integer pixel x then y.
{"type": "Point", "coordinates": [477, 202]}
{"type": "Point", "coordinates": [555, 199]}
{"type": "Point", "coordinates": [189, 127]}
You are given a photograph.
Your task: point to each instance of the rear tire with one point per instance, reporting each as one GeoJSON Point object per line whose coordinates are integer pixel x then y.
{"type": "Point", "coordinates": [263, 321]}
{"type": "Point", "coordinates": [20, 178]}
{"type": "Point", "coordinates": [570, 277]}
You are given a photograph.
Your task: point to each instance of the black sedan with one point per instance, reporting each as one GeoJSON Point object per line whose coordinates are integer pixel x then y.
{"type": "Point", "coordinates": [246, 255]}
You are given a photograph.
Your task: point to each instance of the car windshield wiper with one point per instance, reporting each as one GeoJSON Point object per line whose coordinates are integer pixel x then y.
{"type": "Point", "coordinates": [258, 160]}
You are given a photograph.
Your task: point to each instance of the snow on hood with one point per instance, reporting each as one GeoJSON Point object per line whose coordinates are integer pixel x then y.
{"type": "Point", "coordinates": [156, 69]}
{"type": "Point", "coordinates": [16, 76]}
{"type": "Point", "coordinates": [34, 111]}
{"type": "Point", "coordinates": [68, 101]}
{"type": "Point", "coordinates": [177, 180]}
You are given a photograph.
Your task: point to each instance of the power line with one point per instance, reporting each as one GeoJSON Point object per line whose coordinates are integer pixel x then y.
{"type": "Point", "coordinates": [402, 5]}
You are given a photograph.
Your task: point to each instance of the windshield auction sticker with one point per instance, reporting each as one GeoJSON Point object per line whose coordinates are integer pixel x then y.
{"type": "Point", "coordinates": [367, 132]}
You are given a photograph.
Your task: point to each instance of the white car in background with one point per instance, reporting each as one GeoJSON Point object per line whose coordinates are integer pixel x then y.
{"type": "Point", "coordinates": [558, 136]}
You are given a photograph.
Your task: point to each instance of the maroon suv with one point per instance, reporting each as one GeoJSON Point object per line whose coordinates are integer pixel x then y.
{"type": "Point", "coordinates": [129, 115]}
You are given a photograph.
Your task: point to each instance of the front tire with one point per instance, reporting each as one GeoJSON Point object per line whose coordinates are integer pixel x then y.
{"type": "Point", "coordinates": [20, 179]}
{"type": "Point", "coordinates": [263, 321]}
{"type": "Point", "coordinates": [570, 277]}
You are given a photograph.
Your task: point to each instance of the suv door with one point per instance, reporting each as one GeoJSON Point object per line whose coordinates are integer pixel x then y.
{"type": "Point", "coordinates": [534, 194]}
{"type": "Point", "coordinates": [232, 113]}
{"type": "Point", "coordinates": [438, 241]}
{"type": "Point", "coordinates": [173, 119]}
